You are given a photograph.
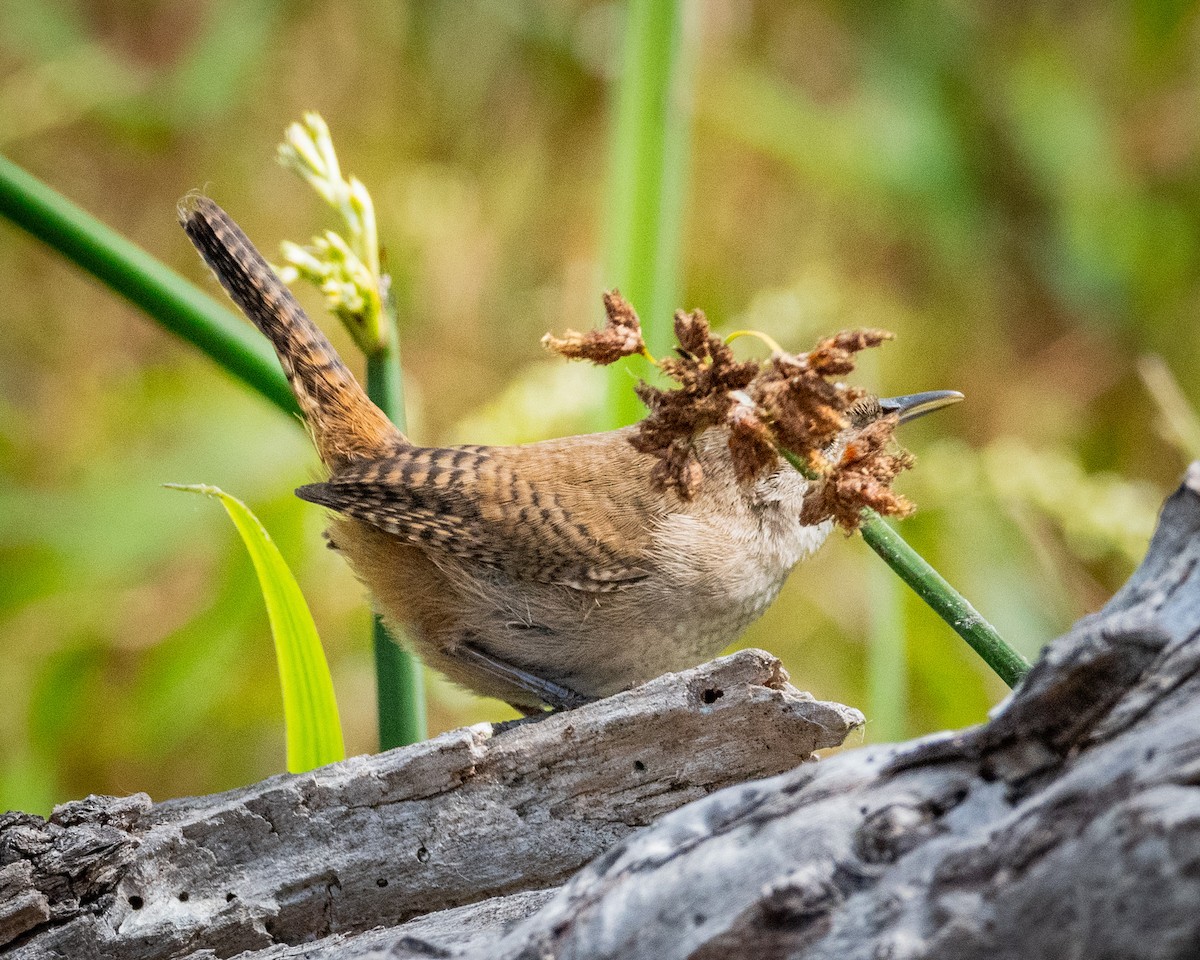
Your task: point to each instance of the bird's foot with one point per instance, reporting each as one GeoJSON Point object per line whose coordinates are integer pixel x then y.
{"type": "Point", "coordinates": [554, 695]}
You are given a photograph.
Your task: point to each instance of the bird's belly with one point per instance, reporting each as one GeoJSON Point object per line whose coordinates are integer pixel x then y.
{"type": "Point", "coordinates": [611, 642]}
{"type": "Point", "coordinates": [706, 626]}
{"type": "Point", "coordinates": [693, 635]}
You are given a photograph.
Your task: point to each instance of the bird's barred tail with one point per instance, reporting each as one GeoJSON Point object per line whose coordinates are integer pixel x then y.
{"type": "Point", "coordinates": [345, 424]}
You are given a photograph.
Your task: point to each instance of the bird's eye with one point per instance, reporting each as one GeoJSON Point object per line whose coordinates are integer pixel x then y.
{"type": "Point", "coordinates": [864, 411]}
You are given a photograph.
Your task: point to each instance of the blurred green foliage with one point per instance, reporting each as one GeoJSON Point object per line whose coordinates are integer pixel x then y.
{"type": "Point", "coordinates": [1013, 188]}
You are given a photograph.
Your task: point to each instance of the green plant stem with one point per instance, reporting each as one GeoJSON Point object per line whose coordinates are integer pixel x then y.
{"type": "Point", "coordinates": [399, 682]}
{"type": "Point", "coordinates": [163, 294]}
{"type": "Point", "coordinates": [933, 588]}
{"type": "Point", "coordinates": [648, 177]}
{"type": "Point", "coordinates": [946, 602]}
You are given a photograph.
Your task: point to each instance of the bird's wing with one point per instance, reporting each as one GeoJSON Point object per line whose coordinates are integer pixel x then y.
{"type": "Point", "coordinates": [574, 512]}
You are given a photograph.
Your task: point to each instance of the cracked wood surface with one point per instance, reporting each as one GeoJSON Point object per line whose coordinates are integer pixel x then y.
{"type": "Point", "coordinates": [413, 833]}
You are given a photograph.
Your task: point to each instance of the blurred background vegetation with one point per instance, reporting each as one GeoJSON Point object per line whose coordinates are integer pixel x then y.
{"type": "Point", "coordinates": [1014, 188]}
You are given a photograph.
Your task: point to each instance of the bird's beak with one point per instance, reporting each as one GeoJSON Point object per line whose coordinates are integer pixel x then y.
{"type": "Point", "coordinates": [918, 404]}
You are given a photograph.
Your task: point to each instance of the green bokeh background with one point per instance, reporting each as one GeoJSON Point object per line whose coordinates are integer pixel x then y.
{"type": "Point", "coordinates": [1013, 188]}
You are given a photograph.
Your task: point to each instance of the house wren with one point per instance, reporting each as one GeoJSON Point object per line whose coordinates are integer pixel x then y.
{"type": "Point", "coordinates": [545, 574]}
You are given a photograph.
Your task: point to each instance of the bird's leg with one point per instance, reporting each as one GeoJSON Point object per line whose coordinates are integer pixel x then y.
{"type": "Point", "coordinates": [552, 694]}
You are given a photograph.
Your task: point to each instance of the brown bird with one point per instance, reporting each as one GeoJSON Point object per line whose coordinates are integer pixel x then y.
{"type": "Point", "coordinates": [546, 574]}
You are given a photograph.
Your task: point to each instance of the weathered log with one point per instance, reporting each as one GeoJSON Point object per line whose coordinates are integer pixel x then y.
{"type": "Point", "coordinates": [470, 815]}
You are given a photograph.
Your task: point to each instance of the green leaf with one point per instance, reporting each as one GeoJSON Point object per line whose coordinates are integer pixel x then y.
{"type": "Point", "coordinates": [310, 713]}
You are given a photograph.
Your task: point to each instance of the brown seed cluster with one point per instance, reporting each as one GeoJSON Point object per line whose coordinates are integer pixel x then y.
{"type": "Point", "coordinates": [806, 410]}
{"type": "Point", "coordinates": [709, 380]}
{"type": "Point", "coordinates": [791, 401]}
{"type": "Point", "coordinates": [620, 337]}
{"type": "Point", "coordinates": [861, 477]}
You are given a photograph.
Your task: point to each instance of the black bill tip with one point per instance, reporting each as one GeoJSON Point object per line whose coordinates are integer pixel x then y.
{"type": "Point", "coordinates": [913, 405]}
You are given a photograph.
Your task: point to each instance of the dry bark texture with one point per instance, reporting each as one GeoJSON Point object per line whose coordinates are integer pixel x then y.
{"type": "Point", "coordinates": [471, 815]}
{"type": "Point", "coordinates": [1067, 826]}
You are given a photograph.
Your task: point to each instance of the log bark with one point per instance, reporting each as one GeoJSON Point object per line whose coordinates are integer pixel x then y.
{"type": "Point", "coordinates": [474, 814]}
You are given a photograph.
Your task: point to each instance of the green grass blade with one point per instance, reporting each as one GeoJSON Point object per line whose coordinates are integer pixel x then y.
{"type": "Point", "coordinates": [310, 713]}
{"type": "Point", "coordinates": [650, 157]}
{"type": "Point", "coordinates": [127, 269]}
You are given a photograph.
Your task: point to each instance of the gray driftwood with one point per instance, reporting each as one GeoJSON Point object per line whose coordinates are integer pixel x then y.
{"type": "Point", "coordinates": [471, 815]}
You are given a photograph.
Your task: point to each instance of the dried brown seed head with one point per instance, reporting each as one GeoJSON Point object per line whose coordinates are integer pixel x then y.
{"type": "Point", "coordinates": [708, 376]}
{"type": "Point", "coordinates": [751, 443]}
{"type": "Point", "coordinates": [693, 333]}
{"type": "Point", "coordinates": [620, 337]}
{"type": "Point", "coordinates": [861, 477]}
{"type": "Point", "coordinates": [789, 401]}
{"type": "Point", "coordinates": [678, 469]}
{"type": "Point", "coordinates": [834, 356]}
{"type": "Point", "coordinates": [806, 411]}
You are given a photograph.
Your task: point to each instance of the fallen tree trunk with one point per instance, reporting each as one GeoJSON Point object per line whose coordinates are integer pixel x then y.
{"type": "Point", "coordinates": [1067, 826]}
{"type": "Point", "coordinates": [467, 816]}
